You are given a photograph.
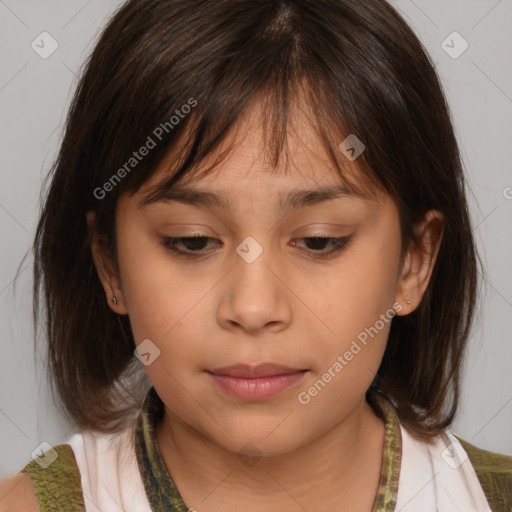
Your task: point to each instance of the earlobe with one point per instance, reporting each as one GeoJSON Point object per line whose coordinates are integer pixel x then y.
{"type": "Point", "coordinates": [420, 261]}
{"type": "Point", "coordinates": [106, 269]}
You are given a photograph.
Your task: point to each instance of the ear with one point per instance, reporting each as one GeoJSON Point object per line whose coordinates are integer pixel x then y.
{"type": "Point", "coordinates": [419, 261]}
{"type": "Point", "coordinates": [106, 269]}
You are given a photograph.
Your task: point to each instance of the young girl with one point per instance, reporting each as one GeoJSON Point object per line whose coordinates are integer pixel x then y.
{"type": "Point", "coordinates": [258, 271]}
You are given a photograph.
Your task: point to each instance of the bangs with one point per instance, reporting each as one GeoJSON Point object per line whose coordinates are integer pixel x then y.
{"type": "Point", "coordinates": [277, 116]}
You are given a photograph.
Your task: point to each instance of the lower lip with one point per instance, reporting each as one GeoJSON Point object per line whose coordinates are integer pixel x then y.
{"type": "Point", "coordinates": [260, 388]}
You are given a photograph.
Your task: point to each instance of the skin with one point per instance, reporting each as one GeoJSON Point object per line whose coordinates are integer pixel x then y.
{"type": "Point", "coordinates": [288, 306]}
{"type": "Point", "coordinates": [17, 494]}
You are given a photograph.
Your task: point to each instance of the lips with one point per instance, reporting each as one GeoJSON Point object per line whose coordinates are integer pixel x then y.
{"type": "Point", "coordinates": [255, 382]}
{"type": "Point", "coordinates": [248, 371]}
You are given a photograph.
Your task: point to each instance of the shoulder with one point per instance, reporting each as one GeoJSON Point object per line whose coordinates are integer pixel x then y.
{"type": "Point", "coordinates": [54, 481]}
{"type": "Point", "coordinates": [17, 494]}
{"type": "Point", "coordinates": [494, 471]}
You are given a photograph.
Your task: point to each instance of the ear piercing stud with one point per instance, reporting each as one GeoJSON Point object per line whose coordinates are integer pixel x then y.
{"type": "Point", "coordinates": [114, 301]}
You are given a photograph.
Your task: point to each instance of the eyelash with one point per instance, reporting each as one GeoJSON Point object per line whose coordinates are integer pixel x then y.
{"type": "Point", "coordinates": [170, 244]}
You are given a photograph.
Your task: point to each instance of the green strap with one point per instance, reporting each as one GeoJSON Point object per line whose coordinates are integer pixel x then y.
{"type": "Point", "coordinates": [162, 493]}
{"type": "Point", "coordinates": [391, 456]}
{"type": "Point", "coordinates": [494, 471]}
{"type": "Point", "coordinates": [56, 480]}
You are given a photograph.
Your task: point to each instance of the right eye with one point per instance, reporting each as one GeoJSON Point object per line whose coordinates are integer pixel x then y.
{"type": "Point", "coordinates": [194, 246]}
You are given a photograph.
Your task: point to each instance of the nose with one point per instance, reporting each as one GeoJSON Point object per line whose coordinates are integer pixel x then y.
{"type": "Point", "coordinates": [255, 295]}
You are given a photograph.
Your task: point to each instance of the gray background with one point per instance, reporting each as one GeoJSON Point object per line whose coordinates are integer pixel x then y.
{"type": "Point", "coordinates": [35, 94]}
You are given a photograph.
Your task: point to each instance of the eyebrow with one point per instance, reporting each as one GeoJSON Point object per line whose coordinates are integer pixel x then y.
{"type": "Point", "coordinates": [293, 199]}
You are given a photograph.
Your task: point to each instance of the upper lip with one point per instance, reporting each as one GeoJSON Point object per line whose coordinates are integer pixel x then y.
{"type": "Point", "coordinates": [252, 371]}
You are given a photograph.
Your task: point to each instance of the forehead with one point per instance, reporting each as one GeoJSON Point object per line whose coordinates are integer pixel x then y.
{"type": "Point", "coordinates": [240, 166]}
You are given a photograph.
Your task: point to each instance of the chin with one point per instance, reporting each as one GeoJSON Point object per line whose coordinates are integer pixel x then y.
{"type": "Point", "coordinates": [265, 441]}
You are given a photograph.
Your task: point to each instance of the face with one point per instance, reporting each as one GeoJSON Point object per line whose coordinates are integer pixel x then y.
{"type": "Point", "coordinates": [258, 287]}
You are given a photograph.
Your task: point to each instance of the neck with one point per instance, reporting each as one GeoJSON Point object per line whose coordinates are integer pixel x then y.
{"type": "Point", "coordinates": [340, 469]}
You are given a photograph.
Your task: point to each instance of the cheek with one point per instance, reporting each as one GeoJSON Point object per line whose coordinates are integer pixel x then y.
{"type": "Point", "coordinates": [166, 302]}
{"type": "Point", "coordinates": [355, 306]}
{"type": "Point", "coordinates": [152, 289]}
{"type": "Point", "coordinates": [359, 290]}
{"type": "Point", "coordinates": [374, 267]}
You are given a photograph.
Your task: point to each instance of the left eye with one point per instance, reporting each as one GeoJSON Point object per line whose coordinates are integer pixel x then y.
{"type": "Point", "coordinates": [195, 245]}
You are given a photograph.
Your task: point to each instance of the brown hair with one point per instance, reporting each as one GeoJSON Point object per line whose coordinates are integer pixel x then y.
{"type": "Point", "coordinates": [361, 70]}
